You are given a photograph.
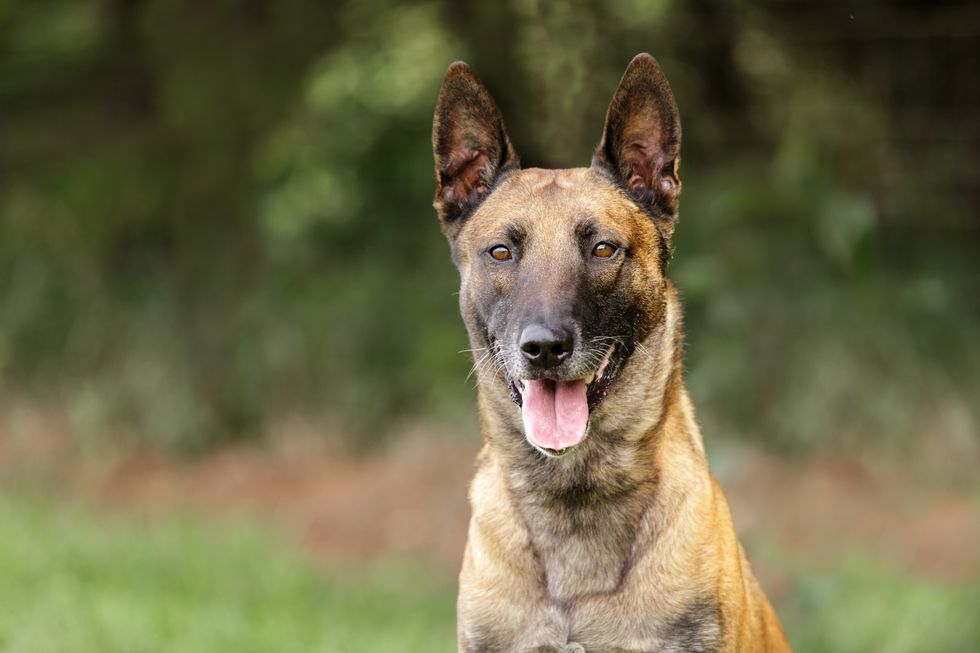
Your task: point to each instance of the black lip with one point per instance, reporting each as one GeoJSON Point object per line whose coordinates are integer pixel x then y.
{"type": "Point", "coordinates": [555, 453]}
{"type": "Point", "coordinates": [515, 393]}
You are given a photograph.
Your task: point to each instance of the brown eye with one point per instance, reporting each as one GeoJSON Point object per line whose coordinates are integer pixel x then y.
{"type": "Point", "coordinates": [603, 250]}
{"type": "Point", "coordinates": [500, 253]}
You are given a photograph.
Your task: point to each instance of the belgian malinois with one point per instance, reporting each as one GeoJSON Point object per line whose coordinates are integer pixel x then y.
{"type": "Point", "coordinates": [597, 525]}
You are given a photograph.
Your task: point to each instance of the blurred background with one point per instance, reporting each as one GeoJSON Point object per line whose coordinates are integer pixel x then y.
{"type": "Point", "coordinates": [233, 407]}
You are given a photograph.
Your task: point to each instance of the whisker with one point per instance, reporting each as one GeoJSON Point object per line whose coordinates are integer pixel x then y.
{"type": "Point", "coordinates": [477, 365]}
{"type": "Point", "coordinates": [643, 350]}
{"type": "Point", "coordinates": [491, 362]}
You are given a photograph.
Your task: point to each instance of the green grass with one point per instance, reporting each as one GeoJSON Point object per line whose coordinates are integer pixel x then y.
{"type": "Point", "coordinates": [865, 606]}
{"type": "Point", "coordinates": [74, 582]}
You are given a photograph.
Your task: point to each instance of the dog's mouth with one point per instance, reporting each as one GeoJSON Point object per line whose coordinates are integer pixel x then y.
{"type": "Point", "coordinates": [555, 411]}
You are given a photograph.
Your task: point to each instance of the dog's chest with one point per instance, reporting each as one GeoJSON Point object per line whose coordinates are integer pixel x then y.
{"type": "Point", "coordinates": [635, 617]}
{"type": "Point", "coordinates": [598, 596]}
{"type": "Point", "coordinates": [604, 626]}
{"type": "Point", "coordinates": [578, 564]}
{"type": "Point", "coordinates": [613, 577]}
{"type": "Point", "coordinates": [600, 625]}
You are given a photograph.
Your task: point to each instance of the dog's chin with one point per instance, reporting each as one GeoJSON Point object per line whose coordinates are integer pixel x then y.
{"type": "Point", "coordinates": [556, 412]}
{"type": "Point", "coordinates": [556, 453]}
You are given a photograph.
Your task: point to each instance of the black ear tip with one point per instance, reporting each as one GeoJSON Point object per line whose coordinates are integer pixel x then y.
{"type": "Point", "coordinates": [461, 80]}
{"type": "Point", "coordinates": [644, 62]}
{"type": "Point", "coordinates": [457, 67]}
{"type": "Point", "coordinates": [460, 70]}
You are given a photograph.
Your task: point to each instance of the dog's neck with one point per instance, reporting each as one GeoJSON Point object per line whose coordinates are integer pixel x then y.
{"type": "Point", "coordinates": [585, 513]}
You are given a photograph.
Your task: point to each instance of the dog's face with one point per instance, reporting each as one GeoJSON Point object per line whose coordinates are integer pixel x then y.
{"type": "Point", "coordinates": [562, 270]}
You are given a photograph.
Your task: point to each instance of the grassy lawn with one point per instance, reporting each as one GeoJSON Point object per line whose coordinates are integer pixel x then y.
{"type": "Point", "coordinates": [864, 606]}
{"type": "Point", "coordinates": [75, 583]}
{"type": "Point", "coordinates": [71, 583]}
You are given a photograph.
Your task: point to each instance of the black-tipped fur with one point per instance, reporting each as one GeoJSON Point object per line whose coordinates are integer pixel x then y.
{"type": "Point", "coordinates": [641, 141]}
{"type": "Point", "coordinates": [470, 145]}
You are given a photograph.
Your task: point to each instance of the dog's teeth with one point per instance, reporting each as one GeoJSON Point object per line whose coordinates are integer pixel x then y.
{"type": "Point", "coordinates": [590, 378]}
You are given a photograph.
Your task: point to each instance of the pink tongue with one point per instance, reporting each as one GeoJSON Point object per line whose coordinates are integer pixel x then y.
{"type": "Point", "coordinates": [555, 413]}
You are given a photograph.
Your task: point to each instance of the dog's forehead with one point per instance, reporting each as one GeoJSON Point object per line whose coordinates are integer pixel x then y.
{"type": "Point", "coordinates": [556, 202]}
{"type": "Point", "coordinates": [541, 180]}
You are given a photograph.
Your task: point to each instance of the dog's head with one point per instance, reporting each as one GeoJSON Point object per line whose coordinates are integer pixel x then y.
{"type": "Point", "coordinates": [562, 270]}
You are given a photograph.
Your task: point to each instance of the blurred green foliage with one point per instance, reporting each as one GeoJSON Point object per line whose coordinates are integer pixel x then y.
{"type": "Point", "coordinates": [214, 215]}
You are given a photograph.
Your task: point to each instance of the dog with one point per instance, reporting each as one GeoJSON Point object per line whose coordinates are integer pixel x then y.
{"type": "Point", "coordinates": [596, 525]}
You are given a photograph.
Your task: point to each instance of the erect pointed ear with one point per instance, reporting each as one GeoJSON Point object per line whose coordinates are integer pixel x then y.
{"type": "Point", "coordinates": [470, 145]}
{"type": "Point", "coordinates": [641, 141]}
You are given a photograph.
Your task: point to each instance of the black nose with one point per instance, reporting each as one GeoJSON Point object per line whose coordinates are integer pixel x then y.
{"type": "Point", "coordinates": [544, 347]}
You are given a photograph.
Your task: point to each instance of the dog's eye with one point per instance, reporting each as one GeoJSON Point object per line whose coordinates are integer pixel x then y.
{"type": "Point", "coordinates": [500, 253]}
{"type": "Point", "coordinates": [604, 250]}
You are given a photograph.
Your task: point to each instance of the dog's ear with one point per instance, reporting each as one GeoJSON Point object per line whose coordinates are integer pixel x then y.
{"type": "Point", "coordinates": [641, 141]}
{"type": "Point", "coordinates": [470, 145]}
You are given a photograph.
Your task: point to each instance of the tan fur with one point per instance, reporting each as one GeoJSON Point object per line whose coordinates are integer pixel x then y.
{"type": "Point", "coordinates": [594, 591]}
{"type": "Point", "coordinates": [626, 543]}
